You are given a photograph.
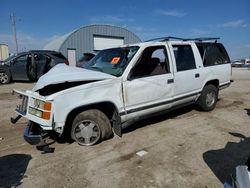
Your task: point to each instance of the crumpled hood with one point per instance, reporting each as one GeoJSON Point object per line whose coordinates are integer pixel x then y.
{"type": "Point", "coordinates": [63, 73]}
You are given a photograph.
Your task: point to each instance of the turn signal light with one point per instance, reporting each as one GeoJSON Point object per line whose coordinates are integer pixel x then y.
{"type": "Point", "coordinates": [46, 115]}
{"type": "Point", "coordinates": [47, 106]}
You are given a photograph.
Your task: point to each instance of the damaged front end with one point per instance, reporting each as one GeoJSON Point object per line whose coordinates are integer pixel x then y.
{"type": "Point", "coordinates": [55, 95]}
{"type": "Point", "coordinates": [37, 110]}
{"type": "Point", "coordinates": [35, 135]}
{"type": "Point", "coordinates": [40, 109]}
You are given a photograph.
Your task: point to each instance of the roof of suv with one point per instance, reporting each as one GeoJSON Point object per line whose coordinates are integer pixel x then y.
{"type": "Point", "coordinates": [161, 40]}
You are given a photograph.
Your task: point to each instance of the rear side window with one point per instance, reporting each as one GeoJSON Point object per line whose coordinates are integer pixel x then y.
{"type": "Point", "coordinates": [184, 57]}
{"type": "Point", "coordinates": [58, 55]}
{"type": "Point", "coordinates": [213, 54]}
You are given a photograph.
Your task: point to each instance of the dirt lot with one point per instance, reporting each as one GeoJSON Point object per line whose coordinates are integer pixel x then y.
{"type": "Point", "coordinates": [186, 148]}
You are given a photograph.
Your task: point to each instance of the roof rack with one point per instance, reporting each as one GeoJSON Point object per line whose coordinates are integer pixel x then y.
{"type": "Point", "coordinates": [162, 39]}
{"type": "Point", "coordinates": [206, 39]}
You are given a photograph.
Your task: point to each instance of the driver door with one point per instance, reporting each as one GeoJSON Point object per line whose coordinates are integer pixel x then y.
{"type": "Point", "coordinates": [149, 87]}
{"type": "Point", "coordinates": [18, 68]}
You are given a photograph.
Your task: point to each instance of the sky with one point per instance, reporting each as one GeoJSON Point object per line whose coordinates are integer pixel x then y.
{"type": "Point", "coordinates": [39, 22]}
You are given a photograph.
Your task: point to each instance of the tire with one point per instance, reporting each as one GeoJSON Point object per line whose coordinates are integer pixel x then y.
{"type": "Point", "coordinates": [5, 77]}
{"type": "Point", "coordinates": [90, 127]}
{"type": "Point", "coordinates": [208, 98]}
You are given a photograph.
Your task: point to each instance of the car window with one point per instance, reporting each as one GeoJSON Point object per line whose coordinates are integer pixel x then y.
{"type": "Point", "coordinates": [39, 57]}
{"type": "Point", "coordinates": [213, 54]}
{"type": "Point", "coordinates": [153, 61]}
{"type": "Point", "coordinates": [184, 57]}
{"type": "Point", "coordinates": [22, 59]}
{"type": "Point", "coordinates": [58, 55]}
{"type": "Point", "coordinates": [9, 58]}
{"type": "Point", "coordinates": [112, 61]}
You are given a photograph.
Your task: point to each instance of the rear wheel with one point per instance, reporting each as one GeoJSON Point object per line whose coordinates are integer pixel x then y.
{"type": "Point", "coordinates": [89, 127]}
{"type": "Point", "coordinates": [5, 77]}
{"type": "Point", "coordinates": [208, 98]}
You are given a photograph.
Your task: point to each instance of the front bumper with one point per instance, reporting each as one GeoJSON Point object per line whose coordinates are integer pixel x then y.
{"type": "Point", "coordinates": [27, 102]}
{"type": "Point", "coordinates": [34, 135]}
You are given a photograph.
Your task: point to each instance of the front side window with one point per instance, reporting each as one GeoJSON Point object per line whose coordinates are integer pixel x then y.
{"type": "Point", "coordinates": [112, 61]}
{"type": "Point", "coordinates": [22, 59]}
{"type": "Point", "coordinates": [184, 57]}
{"type": "Point", "coordinates": [154, 61]}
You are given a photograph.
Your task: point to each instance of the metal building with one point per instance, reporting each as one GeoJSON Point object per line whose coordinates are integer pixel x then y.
{"type": "Point", "coordinates": [4, 52]}
{"type": "Point", "coordinates": [91, 38]}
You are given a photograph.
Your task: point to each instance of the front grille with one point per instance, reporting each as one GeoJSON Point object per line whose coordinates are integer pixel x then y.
{"type": "Point", "coordinates": [22, 108]}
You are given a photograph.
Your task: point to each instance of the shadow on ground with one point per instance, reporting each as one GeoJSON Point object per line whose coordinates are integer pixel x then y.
{"type": "Point", "coordinates": [158, 118]}
{"type": "Point", "coordinates": [248, 111]}
{"type": "Point", "coordinates": [12, 169]}
{"type": "Point", "coordinates": [223, 161]}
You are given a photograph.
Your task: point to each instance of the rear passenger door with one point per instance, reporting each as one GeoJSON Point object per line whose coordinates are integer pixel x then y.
{"type": "Point", "coordinates": [187, 72]}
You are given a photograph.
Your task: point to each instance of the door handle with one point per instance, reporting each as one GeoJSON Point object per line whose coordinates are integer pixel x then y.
{"type": "Point", "coordinates": [170, 81]}
{"type": "Point", "coordinates": [197, 75]}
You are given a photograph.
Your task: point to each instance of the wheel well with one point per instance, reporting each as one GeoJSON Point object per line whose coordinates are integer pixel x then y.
{"type": "Point", "coordinates": [108, 108]}
{"type": "Point", "coordinates": [213, 82]}
{"type": "Point", "coordinates": [8, 71]}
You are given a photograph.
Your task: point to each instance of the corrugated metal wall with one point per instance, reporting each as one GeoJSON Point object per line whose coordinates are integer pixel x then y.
{"type": "Point", "coordinates": [83, 39]}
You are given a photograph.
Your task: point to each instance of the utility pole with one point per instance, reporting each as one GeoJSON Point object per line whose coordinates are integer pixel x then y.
{"type": "Point", "coordinates": [13, 21]}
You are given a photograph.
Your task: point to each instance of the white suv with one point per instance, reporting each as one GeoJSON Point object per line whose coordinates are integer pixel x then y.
{"type": "Point", "coordinates": [121, 85]}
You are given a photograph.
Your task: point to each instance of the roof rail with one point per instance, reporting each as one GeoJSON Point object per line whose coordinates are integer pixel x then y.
{"type": "Point", "coordinates": [206, 38]}
{"type": "Point", "coordinates": [165, 39]}
{"type": "Point", "coordinates": [162, 39]}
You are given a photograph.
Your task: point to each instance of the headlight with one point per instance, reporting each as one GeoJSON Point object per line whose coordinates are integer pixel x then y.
{"type": "Point", "coordinates": [35, 112]}
{"type": "Point", "coordinates": [44, 105]}
{"type": "Point", "coordinates": [41, 109]}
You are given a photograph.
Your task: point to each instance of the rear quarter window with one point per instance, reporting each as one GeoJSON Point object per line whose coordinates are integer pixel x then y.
{"type": "Point", "coordinates": [213, 54]}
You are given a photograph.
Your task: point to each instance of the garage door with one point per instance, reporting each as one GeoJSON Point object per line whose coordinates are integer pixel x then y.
{"type": "Point", "coordinates": [101, 43]}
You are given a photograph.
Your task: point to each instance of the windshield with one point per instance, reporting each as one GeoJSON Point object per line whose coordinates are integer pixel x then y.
{"type": "Point", "coordinates": [112, 61]}
{"type": "Point", "coordinates": [9, 58]}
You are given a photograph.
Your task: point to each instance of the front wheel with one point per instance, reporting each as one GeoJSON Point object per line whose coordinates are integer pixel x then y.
{"type": "Point", "coordinates": [89, 127]}
{"type": "Point", "coordinates": [5, 77]}
{"type": "Point", "coordinates": [208, 98]}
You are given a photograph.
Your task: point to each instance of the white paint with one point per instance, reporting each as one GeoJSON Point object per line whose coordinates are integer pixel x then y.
{"type": "Point", "coordinates": [101, 43]}
{"type": "Point", "coordinates": [63, 73]}
{"type": "Point", "coordinates": [72, 57]}
{"type": "Point", "coordinates": [125, 94]}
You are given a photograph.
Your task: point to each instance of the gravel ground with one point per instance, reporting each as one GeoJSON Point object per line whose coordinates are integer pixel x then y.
{"type": "Point", "coordinates": [185, 148]}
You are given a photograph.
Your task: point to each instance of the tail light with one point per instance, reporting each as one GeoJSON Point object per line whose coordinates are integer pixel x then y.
{"type": "Point", "coordinates": [66, 62]}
